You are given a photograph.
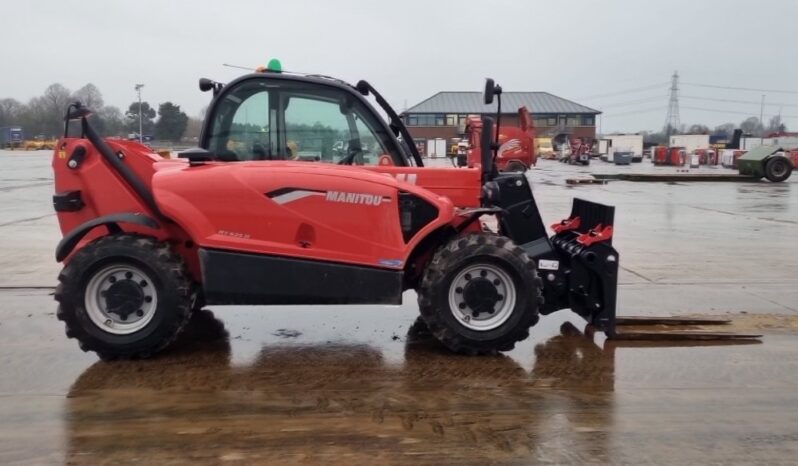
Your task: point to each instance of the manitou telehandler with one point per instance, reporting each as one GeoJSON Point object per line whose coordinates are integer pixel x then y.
{"type": "Point", "coordinates": [256, 216]}
{"type": "Point", "coordinates": [515, 150]}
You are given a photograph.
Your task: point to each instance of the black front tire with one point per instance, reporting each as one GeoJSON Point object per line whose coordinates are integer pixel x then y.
{"type": "Point", "coordinates": [778, 169]}
{"type": "Point", "coordinates": [462, 253]}
{"type": "Point", "coordinates": [516, 167]}
{"type": "Point", "coordinates": [170, 285]}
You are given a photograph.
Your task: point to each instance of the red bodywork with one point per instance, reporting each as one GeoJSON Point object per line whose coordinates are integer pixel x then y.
{"type": "Point", "coordinates": [659, 155]}
{"type": "Point", "coordinates": [223, 205]}
{"type": "Point", "coordinates": [516, 143]}
{"type": "Point", "coordinates": [578, 148]}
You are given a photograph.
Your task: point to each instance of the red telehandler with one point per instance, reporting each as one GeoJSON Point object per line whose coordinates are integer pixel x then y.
{"type": "Point", "coordinates": [515, 144]}
{"type": "Point", "coordinates": [256, 216]}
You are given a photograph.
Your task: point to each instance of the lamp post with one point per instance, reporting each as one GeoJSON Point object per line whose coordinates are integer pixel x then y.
{"type": "Point", "coordinates": [138, 90]}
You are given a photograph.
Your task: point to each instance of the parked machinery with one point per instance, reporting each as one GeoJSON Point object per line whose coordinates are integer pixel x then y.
{"type": "Point", "coordinates": [580, 152]}
{"type": "Point", "coordinates": [707, 156]}
{"type": "Point", "coordinates": [147, 241]}
{"type": "Point", "coordinates": [773, 163]}
{"type": "Point", "coordinates": [673, 156]}
{"type": "Point", "coordinates": [515, 145]}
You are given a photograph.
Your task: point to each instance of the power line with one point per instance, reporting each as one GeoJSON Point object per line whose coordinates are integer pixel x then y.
{"type": "Point", "coordinates": [752, 102]}
{"type": "Point", "coordinates": [713, 86]}
{"type": "Point", "coordinates": [628, 91]}
{"type": "Point", "coordinates": [733, 112]}
{"type": "Point", "coordinates": [631, 102]}
{"type": "Point", "coordinates": [635, 112]}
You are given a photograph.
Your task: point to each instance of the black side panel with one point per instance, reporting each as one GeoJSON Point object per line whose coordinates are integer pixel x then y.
{"type": "Point", "coordinates": [521, 222]}
{"type": "Point", "coordinates": [414, 213]}
{"type": "Point", "coordinates": [69, 201]}
{"type": "Point", "coordinates": [238, 278]}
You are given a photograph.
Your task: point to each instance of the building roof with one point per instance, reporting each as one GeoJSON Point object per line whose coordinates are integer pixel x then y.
{"type": "Point", "coordinates": [471, 102]}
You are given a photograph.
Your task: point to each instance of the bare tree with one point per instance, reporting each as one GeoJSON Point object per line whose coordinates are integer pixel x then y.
{"type": "Point", "coordinates": [89, 96]}
{"type": "Point", "coordinates": [726, 130]}
{"type": "Point", "coordinates": [53, 104]}
{"type": "Point", "coordinates": [775, 125]}
{"type": "Point", "coordinates": [698, 129]}
{"type": "Point", "coordinates": [752, 126]}
{"type": "Point", "coordinates": [9, 111]}
{"type": "Point", "coordinates": [109, 121]}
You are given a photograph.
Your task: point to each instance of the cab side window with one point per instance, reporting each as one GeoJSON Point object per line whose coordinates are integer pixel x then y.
{"type": "Point", "coordinates": [314, 129]}
{"type": "Point", "coordinates": [294, 119]}
{"type": "Point", "coordinates": [241, 128]}
{"type": "Point", "coordinates": [328, 125]}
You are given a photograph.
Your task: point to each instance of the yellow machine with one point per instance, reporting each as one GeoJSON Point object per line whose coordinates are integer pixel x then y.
{"type": "Point", "coordinates": [39, 144]}
{"type": "Point", "coordinates": [544, 148]}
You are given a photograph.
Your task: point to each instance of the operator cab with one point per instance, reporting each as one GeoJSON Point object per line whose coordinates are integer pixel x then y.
{"type": "Point", "coordinates": [277, 116]}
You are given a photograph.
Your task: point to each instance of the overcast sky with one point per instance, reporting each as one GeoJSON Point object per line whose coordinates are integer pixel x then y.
{"type": "Point", "coordinates": [411, 49]}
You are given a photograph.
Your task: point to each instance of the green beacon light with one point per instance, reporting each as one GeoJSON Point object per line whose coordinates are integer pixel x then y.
{"type": "Point", "coordinates": [274, 66]}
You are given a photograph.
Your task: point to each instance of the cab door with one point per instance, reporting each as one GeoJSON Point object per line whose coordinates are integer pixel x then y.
{"type": "Point", "coordinates": [287, 185]}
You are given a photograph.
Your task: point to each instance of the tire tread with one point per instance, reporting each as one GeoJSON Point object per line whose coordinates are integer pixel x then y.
{"type": "Point", "coordinates": [156, 255]}
{"type": "Point", "coordinates": [439, 266]}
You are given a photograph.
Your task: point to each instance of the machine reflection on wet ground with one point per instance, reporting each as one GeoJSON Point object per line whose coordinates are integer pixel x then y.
{"type": "Point", "coordinates": [334, 402]}
{"type": "Point", "coordinates": [345, 403]}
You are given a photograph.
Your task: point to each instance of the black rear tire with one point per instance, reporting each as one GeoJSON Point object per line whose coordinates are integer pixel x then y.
{"type": "Point", "coordinates": [149, 272]}
{"type": "Point", "coordinates": [778, 169]}
{"type": "Point", "coordinates": [514, 274]}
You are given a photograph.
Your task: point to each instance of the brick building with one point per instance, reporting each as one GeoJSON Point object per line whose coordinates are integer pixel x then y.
{"type": "Point", "coordinates": [444, 115]}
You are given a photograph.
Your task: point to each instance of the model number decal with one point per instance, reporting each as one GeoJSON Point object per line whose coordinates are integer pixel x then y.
{"type": "Point", "coordinates": [545, 264]}
{"type": "Point", "coordinates": [234, 234]}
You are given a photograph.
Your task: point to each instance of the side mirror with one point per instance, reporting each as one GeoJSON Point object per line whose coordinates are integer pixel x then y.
{"type": "Point", "coordinates": [487, 96]}
{"type": "Point", "coordinates": [205, 84]}
{"type": "Point", "coordinates": [196, 154]}
{"type": "Point", "coordinates": [362, 87]}
{"type": "Point", "coordinates": [77, 111]}
{"type": "Point", "coordinates": [491, 89]}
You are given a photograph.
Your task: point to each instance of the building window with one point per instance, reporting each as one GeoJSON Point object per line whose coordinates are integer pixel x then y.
{"type": "Point", "coordinates": [541, 122]}
{"type": "Point", "coordinates": [552, 121]}
{"type": "Point", "coordinates": [451, 120]}
{"type": "Point", "coordinates": [572, 121]}
{"type": "Point", "coordinates": [588, 120]}
{"type": "Point", "coordinates": [420, 119]}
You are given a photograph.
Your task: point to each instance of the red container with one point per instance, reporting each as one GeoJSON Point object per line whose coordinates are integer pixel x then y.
{"type": "Point", "coordinates": [677, 156]}
{"type": "Point", "coordinates": [660, 155]}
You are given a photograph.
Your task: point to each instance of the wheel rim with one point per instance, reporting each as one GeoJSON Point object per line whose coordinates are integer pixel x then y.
{"type": "Point", "coordinates": [482, 297]}
{"type": "Point", "coordinates": [121, 299]}
{"type": "Point", "coordinates": [779, 169]}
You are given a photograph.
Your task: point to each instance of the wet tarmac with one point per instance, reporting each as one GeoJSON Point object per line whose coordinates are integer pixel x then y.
{"type": "Point", "coordinates": [364, 385]}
